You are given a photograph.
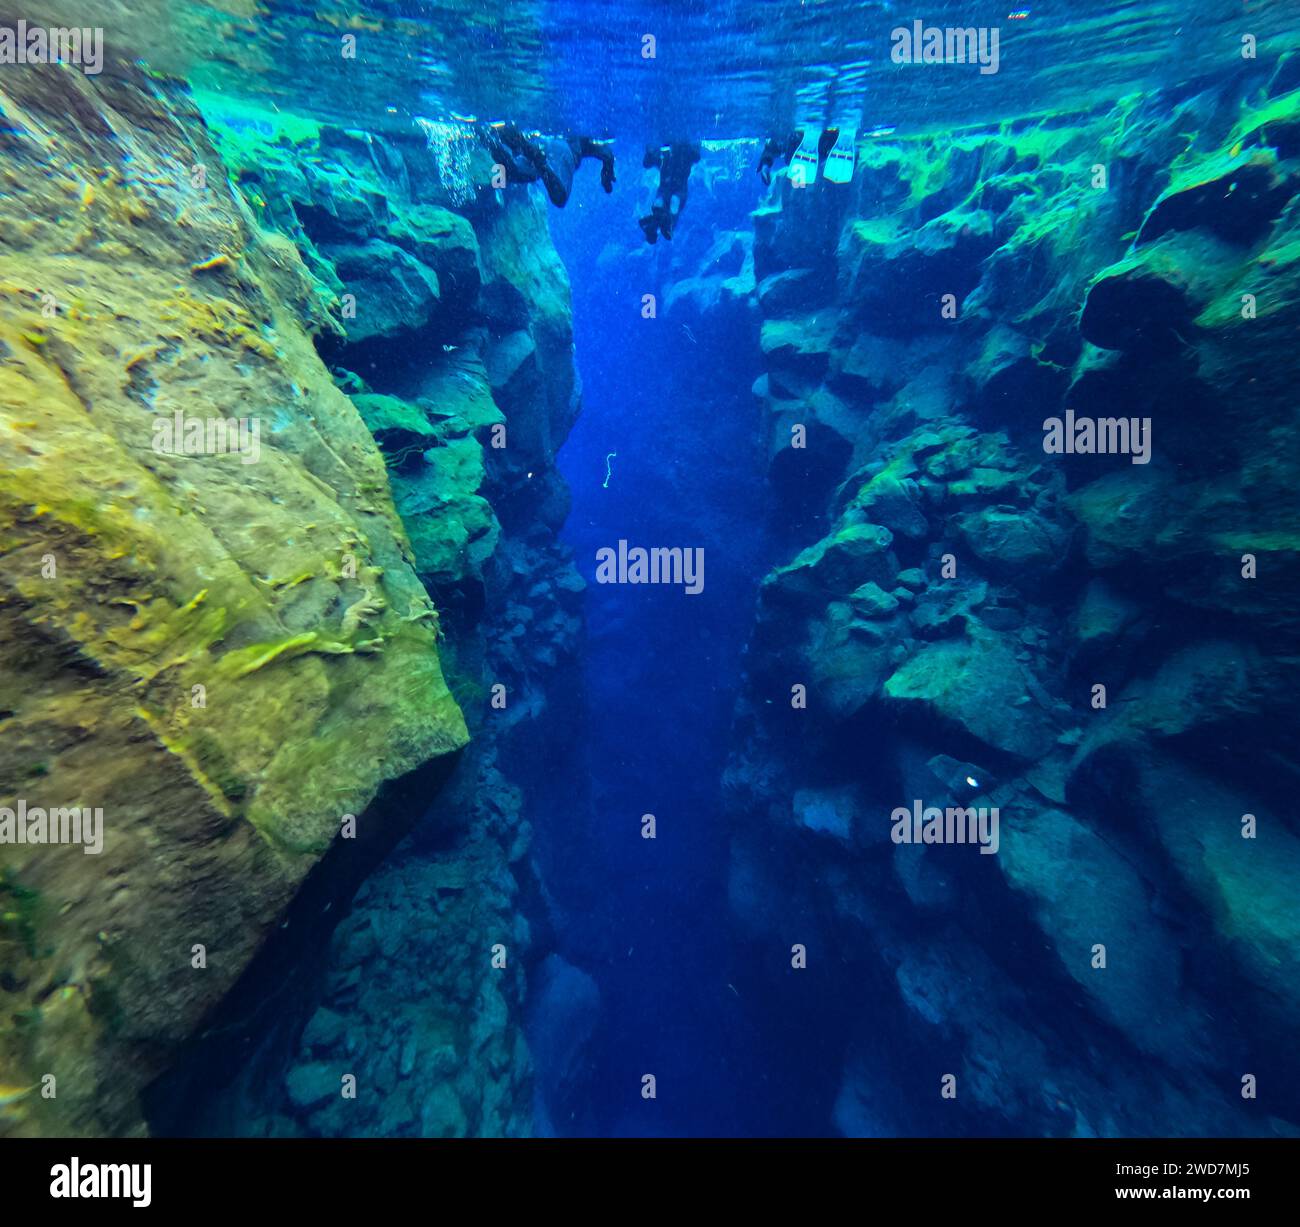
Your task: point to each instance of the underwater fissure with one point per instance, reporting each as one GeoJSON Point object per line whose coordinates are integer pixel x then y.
{"type": "Point", "coordinates": [428, 813]}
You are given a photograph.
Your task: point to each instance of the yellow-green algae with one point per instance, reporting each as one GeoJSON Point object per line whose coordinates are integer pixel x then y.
{"type": "Point", "coordinates": [165, 619]}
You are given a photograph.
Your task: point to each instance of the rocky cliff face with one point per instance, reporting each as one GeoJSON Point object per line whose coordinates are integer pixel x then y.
{"type": "Point", "coordinates": [233, 646]}
{"type": "Point", "coordinates": [451, 331]}
{"type": "Point", "coordinates": [225, 651]}
{"type": "Point", "coordinates": [1101, 646]}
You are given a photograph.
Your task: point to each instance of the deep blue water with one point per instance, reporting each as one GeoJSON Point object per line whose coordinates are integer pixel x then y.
{"type": "Point", "coordinates": [661, 666]}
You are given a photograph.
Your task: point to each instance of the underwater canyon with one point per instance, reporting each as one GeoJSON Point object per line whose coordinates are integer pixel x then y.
{"type": "Point", "coordinates": [980, 473]}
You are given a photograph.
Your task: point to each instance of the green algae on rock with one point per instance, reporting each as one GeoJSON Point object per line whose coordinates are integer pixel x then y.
{"type": "Point", "coordinates": [1093, 636]}
{"type": "Point", "coordinates": [168, 617]}
{"type": "Point", "coordinates": [442, 387]}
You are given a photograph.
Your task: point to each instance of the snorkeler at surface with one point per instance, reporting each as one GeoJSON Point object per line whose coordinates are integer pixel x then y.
{"type": "Point", "coordinates": [674, 162]}
{"type": "Point", "coordinates": [552, 160]}
{"type": "Point", "coordinates": [833, 155]}
{"type": "Point", "coordinates": [786, 150]}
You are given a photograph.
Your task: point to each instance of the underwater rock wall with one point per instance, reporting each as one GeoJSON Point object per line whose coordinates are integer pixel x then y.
{"type": "Point", "coordinates": [1101, 646]}
{"type": "Point", "coordinates": [450, 328]}
{"type": "Point", "coordinates": [219, 640]}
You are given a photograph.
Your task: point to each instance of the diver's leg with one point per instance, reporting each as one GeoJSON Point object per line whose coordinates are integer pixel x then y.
{"type": "Point", "coordinates": [668, 220]}
{"type": "Point", "coordinates": [555, 188]}
{"type": "Point", "coordinates": [601, 151]}
{"type": "Point", "coordinates": [557, 170]}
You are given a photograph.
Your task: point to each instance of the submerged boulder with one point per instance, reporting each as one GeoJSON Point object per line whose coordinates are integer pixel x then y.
{"type": "Point", "coordinates": [893, 501]}
{"type": "Point", "coordinates": [1093, 908]}
{"type": "Point", "coordinates": [394, 292]}
{"type": "Point", "coordinates": [836, 565]}
{"type": "Point", "coordinates": [444, 242]}
{"type": "Point", "coordinates": [566, 1010]}
{"type": "Point", "coordinates": [1013, 541]}
{"type": "Point", "coordinates": [793, 289]}
{"type": "Point", "coordinates": [802, 344]}
{"type": "Point", "coordinates": [978, 686]}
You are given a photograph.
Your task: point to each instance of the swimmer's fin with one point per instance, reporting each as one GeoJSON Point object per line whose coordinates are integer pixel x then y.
{"type": "Point", "coordinates": [803, 165]}
{"type": "Point", "coordinates": [840, 160]}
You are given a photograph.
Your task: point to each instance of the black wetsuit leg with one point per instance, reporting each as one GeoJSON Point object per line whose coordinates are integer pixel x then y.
{"type": "Point", "coordinates": [556, 171]}
{"type": "Point", "coordinates": [508, 148]}
{"type": "Point", "coordinates": [650, 223]}
{"type": "Point", "coordinates": [600, 150]}
{"type": "Point", "coordinates": [674, 176]}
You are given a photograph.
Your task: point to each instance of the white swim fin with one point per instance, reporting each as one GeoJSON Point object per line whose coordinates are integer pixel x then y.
{"type": "Point", "coordinates": [843, 154]}
{"type": "Point", "coordinates": [803, 165]}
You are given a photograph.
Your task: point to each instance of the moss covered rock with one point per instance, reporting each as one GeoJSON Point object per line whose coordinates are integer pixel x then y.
{"type": "Point", "coordinates": [226, 651]}
{"type": "Point", "coordinates": [977, 685]}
